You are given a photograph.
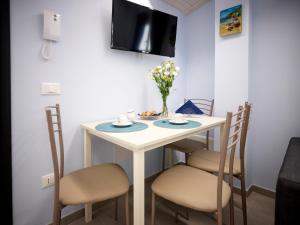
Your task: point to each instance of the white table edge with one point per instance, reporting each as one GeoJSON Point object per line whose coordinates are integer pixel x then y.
{"type": "Point", "coordinates": [153, 145]}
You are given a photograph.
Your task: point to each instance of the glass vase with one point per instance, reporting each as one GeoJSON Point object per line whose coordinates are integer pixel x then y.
{"type": "Point", "coordinates": [164, 112]}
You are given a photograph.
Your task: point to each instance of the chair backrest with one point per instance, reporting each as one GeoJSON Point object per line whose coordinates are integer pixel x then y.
{"type": "Point", "coordinates": [233, 133]}
{"type": "Point", "coordinates": [207, 106]}
{"type": "Point", "coordinates": [55, 130]}
{"type": "Point", "coordinates": [244, 134]}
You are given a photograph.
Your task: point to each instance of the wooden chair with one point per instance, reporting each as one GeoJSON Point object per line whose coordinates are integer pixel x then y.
{"type": "Point", "coordinates": [209, 161]}
{"type": "Point", "coordinates": [187, 146]}
{"type": "Point", "coordinates": [89, 185]}
{"type": "Point", "coordinates": [197, 189]}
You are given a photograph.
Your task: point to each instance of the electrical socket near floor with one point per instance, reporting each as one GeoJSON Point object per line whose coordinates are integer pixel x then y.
{"type": "Point", "coordinates": [47, 180]}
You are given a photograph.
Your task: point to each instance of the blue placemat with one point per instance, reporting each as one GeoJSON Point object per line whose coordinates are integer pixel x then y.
{"type": "Point", "coordinates": [108, 127]}
{"type": "Point", "coordinates": [166, 124]}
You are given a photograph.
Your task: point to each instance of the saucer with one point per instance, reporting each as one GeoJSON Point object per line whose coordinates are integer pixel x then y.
{"type": "Point", "coordinates": [117, 124]}
{"type": "Point", "coordinates": [178, 122]}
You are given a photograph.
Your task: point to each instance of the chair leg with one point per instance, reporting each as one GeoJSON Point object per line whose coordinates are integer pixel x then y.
{"type": "Point", "coordinates": [153, 209]}
{"type": "Point", "coordinates": [219, 216]}
{"type": "Point", "coordinates": [231, 201]}
{"type": "Point", "coordinates": [187, 214]}
{"type": "Point", "coordinates": [186, 158]}
{"type": "Point", "coordinates": [244, 198]}
{"type": "Point", "coordinates": [231, 210]}
{"type": "Point", "coordinates": [164, 159]}
{"type": "Point", "coordinates": [57, 214]}
{"type": "Point", "coordinates": [116, 209]}
{"type": "Point", "coordinates": [207, 140]}
{"type": "Point", "coordinates": [127, 208]}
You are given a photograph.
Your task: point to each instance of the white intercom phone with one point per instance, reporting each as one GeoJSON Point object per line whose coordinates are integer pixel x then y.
{"type": "Point", "coordinates": [51, 33]}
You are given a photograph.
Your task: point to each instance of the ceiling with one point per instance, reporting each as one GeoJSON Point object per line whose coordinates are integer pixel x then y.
{"type": "Point", "coordinates": [186, 6]}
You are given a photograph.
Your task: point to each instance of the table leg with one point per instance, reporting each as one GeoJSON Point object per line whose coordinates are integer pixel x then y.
{"type": "Point", "coordinates": [170, 158]}
{"type": "Point", "coordinates": [138, 188]}
{"type": "Point", "coordinates": [88, 163]}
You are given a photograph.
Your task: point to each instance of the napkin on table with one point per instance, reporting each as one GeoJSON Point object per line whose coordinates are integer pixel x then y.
{"type": "Point", "coordinates": [189, 108]}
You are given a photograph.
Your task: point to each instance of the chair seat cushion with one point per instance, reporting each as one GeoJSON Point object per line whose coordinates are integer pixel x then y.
{"type": "Point", "coordinates": [209, 161]}
{"type": "Point", "coordinates": [187, 145]}
{"type": "Point", "coordinates": [191, 188]}
{"type": "Point", "coordinates": [93, 184]}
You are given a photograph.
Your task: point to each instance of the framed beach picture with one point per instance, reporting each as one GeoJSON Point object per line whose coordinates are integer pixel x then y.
{"type": "Point", "coordinates": [231, 21]}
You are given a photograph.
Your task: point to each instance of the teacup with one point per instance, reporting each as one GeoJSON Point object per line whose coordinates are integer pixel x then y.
{"type": "Point", "coordinates": [131, 115]}
{"type": "Point", "coordinates": [178, 117]}
{"type": "Point", "coordinates": [122, 119]}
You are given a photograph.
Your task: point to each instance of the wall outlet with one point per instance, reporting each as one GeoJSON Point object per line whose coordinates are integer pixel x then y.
{"type": "Point", "coordinates": [47, 180]}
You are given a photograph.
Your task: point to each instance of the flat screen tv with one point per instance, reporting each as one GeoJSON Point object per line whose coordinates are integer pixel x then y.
{"type": "Point", "coordinates": [140, 29]}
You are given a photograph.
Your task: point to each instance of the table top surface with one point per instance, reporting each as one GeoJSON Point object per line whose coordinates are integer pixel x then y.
{"type": "Point", "coordinates": [152, 137]}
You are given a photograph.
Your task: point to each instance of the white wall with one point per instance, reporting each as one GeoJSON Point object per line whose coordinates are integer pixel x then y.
{"type": "Point", "coordinates": [231, 66]}
{"type": "Point", "coordinates": [200, 52]}
{"type": "Point", "coordinates": [273, 86]}
{"type": "Point", "coordinates": [260, 64]}
{"type": "Point", "coordinates": [231, 61]}
{"type": "Point", "coordinates": [97, 83]}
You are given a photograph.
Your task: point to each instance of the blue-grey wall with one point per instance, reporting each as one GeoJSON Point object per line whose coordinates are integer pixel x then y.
{"type": "Point", "coordinates": [97, 83]}
{"type": "Point", "coordinates": [200, 52]}
{"type": "Point", "coordinates": [274, 83]}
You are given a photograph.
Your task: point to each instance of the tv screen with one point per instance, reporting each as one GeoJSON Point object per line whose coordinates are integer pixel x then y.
{"type": "Point", "coordinates": [141, 29]}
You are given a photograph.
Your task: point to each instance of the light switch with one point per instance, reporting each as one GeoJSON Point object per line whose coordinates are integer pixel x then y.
{"type": "Point", "coordinates": [50, 89]}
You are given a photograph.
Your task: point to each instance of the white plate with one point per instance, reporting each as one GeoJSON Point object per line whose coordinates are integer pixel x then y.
{"type": "Point", "coordinates": [117, 124]}
{"type": "Point", "coordinates": [178, 122]}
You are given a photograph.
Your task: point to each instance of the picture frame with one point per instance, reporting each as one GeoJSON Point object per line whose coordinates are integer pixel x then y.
{"type": "Point", "coordinates": [231, 21]}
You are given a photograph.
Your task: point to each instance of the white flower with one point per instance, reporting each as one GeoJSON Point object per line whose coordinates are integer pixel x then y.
{"type": "Point", "coordinates": [167, 73]}
{"type": "Point", "coordinates": [175, 74]}
{"type": "Point", "coordinates": [177, 68]}
{"type": "Point", "coordinates": [168, 65]}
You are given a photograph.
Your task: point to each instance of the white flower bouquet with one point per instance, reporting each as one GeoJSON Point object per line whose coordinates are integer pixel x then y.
{"type": "Point", "coordinates": [164, 75]}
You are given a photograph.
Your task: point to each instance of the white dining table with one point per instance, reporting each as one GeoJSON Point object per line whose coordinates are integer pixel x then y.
{"type": "Point", "coordinates": [140, 142]}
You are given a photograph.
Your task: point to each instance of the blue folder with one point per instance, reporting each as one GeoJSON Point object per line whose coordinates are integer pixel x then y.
{"type": "Point", "coordinates": [189, 108]}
